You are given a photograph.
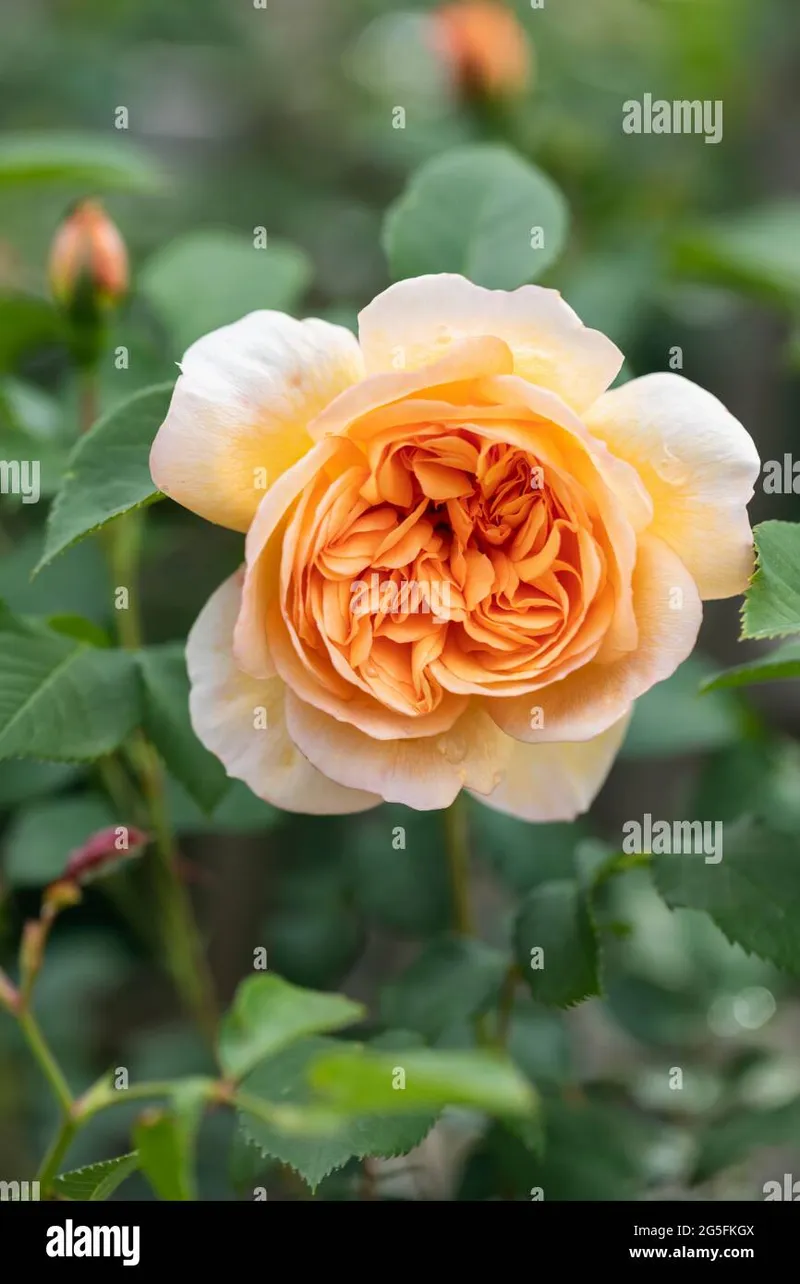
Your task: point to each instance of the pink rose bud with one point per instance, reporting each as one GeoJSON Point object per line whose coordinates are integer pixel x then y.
{"type": "Point", "coordinates": [88, 261]}
{"type": "Point", "coordinates": [104, 849]}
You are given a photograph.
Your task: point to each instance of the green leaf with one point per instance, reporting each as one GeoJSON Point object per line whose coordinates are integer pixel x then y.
{"type": "Point", "coordinates": [28, 324]}
{"type": "Point", "coordinates": [240, 812]}
{"type": "Point", "coordinates": [523, 855]}
{"type": "Point", "coordinates": [452, 980]}
{"type": "Point", "coordinates": [284, 1079]}
{"type": "Point", "coordinates": [96, 1182]}
{"type": "Point", "coordinates": [108, 471]}
{"type": "Point", "coordinates": [399, 868]}
{"type": "Point", "coordinates": [79, 628]}
{"type": "Point", "coordinates": [90, 160]}
{"type": "Point", "coordinates": [731, 1140]}
{"type": "Point", "coordinates": [772, 602]}
{"type": "Point", "coordinates": [165, 685]}
{"type": "Point", "coordinates": [315, 945]}
{"type": "Point", "coordinates": [358, 1078]}
{"type": "Point", "coordinates": [757, 250]}
{"type": "Point", "coordinates": [674, 718]}
{"type": "Point", "coordinates": [166, 1141]}
{"type": "Point", "coordinates": [208, 279]}
{"type": "Point", "coordinates": [268, 1014]}
{"type": "Point", "coordinates": [781, 663]}
{"type": "Point", "coordinates": [474, 211]}
{"type": "Point", "coordinates": [41, 837]}
{"type": "Point", "coordinates": [21, 780]}
{"type": "Point", "coordinates": [752, 893]}
{"type": "Point", "coordinates": [61, 699]}
{"type": "Point", "coordinates": [78, 584]}
{"type": "Point", "coordinates": [554, 920]}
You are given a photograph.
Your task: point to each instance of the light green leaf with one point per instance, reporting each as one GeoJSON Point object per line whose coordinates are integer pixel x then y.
{"type": "Point", "coordinates": [556, 944]}
{"type": "Point", "coordinates": [108, 473]}
{"type": "Point", "coordinates": [674, 718]}
{"type": "Point", "coordinates": [752, 893]}
{"type": "Point", "coordinates": [208, 279]}
{"type": "Point", "coordinates": [41, 837]}
{"type": "Point", "coordinates": [757, 250]}
{"type": "Point", "coordinates": [284, 1079]}
{"type": "Point", "coordinates": [772, 602]}
{"type": "Point", "coordinates": [476, 210]}
{"type": "Point", "coordinates": [452, 980]}
{"type": "Point", "coordinates": [166, 1141]}
{"type": "Point", "coordinates": [60, 699]}
{"type": "Point", "coordinates": [96, 1182]}
{"type": "Point", "coordinates": [165, 686]}
{"type": "Point", "coordinates": [360, 1079]}
{"type": "Point", "coordinates": [779, 664]}
{"type": "Point", "coordinates": [91, 160]}
{"type": "Point", "coordinates": [268, 1014]}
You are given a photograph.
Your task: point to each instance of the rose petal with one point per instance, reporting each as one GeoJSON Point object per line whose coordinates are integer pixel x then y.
{"type": "Point", "coordinates": [241, 408]}
{"type": "Point", "coordinates": [699, 465]}
{"type": "Point", "coordinates": [223, 705]}
{"type": "Point", "coordinates": [416, 321]}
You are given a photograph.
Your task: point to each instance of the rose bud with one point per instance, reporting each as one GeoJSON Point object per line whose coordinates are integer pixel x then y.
{"type": "Point", "coordinates": [88, 267]}
{"type": "Point", "coordinates": [485, 47]}
{"type": "Point", "coordinates": [104, 849]}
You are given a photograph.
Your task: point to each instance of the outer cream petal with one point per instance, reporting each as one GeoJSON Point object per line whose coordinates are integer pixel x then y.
{"type": "Point", "coordinates": [668, 613]}
{"type": "Point", "coordinates": [241, 407]}
{"type": "Point", "coordinates": [426, 773]}
{"type": "Point", "coordinates": [414, 322]}
{"type": "Point", "coordinates": [699, 465]}
{"type": "Point", "coordinates": [556, 782]}
{"type": "Point", "coordinates": [222, 704]}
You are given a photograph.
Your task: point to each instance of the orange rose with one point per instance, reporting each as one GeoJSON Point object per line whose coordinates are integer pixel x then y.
{"type": "Point", "coordinates": [469, 559]}
{"type": "Point", "coordinates": [484, 46]}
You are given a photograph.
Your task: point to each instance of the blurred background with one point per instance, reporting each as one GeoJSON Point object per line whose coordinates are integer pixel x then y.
{"type": "Point", "coordinates": [284, 118]}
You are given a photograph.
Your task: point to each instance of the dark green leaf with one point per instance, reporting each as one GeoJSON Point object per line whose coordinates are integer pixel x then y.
{"type": "Point", "coordinates": [400, 876]}
{"type": "Point", "coordinates": [452, 980]}
{"type": "Point", "coordinates": [41, 837]}
{"type": "Point", "coordinates": [108, 471]}
{"type": "Point", "coordinates": [781, 663]}
{"type": "Point", "coordinates": [752, 892]}
{"type": "Point", "coordinates": [96, 1182]}
{"type": "Point", "coordinates": [556, 944]}
{"type": "Point", "coordinates": [165, 686]}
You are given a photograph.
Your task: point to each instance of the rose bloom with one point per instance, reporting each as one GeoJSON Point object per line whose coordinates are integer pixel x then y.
{"type": "Point", "coordinates": [484, 46]}
{"type": "Point", "coordinates": [466, 445]}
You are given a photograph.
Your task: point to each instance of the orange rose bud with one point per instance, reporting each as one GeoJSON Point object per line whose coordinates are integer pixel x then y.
{"type": "Point", "coordinates": [485, 46]}
{"type": "Point", "coordinates": [88, 261]}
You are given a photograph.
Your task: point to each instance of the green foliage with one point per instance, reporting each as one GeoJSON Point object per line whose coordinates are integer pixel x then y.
{"type": "Point", "coordinates": [755, 250]}
{"type": "Point", "coordinates": [772, 602]}
{"type": "Point", "coordinates": [108, 473]}
{"type": "Point", "coordinates": [27, 324]}
{"type": "Point", "coordinates": [61, 699]}
{"type": "Point", "coordinates": [399, 870]}
{"type": "Point", "coordinates": [556, 944]}
{"type": "Point", "coordinates": [472, 211]}
{"type": "Point", "coordinates": [730, 1140]}
{"type": "Point", "coordinates": [208, 279]}
{"type": "Point", "coordinates": [41, 836]}
{"type": "Point", "coordinates": [92, 160]}
{"type": "Point", "coordinates": [452, 980]}
{"type": "Point", "coordinates": [284, 1078]}
{"type": "Point", "coordinates": [96, 1182]}
{"type": "Point", "coordinates": [166, 721]}
{"type": "Point", "coordinates": [752, 893]}
{"type": "Point", "coordinates": [782, 663]}
{"type": "Point", "coordinates": [269, 1014]}
{"type": "Point", "coordinates": [674, 718]}
{"type": "Point", "coordinates": [166, 1142]}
